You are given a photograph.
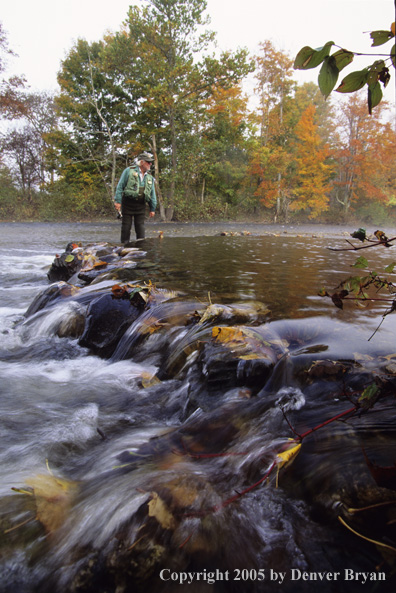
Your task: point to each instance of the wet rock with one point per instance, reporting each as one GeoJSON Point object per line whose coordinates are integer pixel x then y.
{"type": "Point", "coordinates": [73, 325]}
{"type": "Point", "coordinates": [107, 320]}
{"type": "Point", "coordinates": [65, 265]}
{"type": "Point", "coordinates": [56, 291]}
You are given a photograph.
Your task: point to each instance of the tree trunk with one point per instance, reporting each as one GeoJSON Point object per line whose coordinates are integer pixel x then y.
{"type": "Point", "coordinates": [156, 173]}
{"type": "Point", "coordinates": [171, 207]}
{"type": "Point", "coordinates": [203, 192]}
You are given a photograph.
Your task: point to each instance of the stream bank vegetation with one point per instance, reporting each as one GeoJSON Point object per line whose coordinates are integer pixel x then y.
{"type": "Point", "coordinates": [283, 154]}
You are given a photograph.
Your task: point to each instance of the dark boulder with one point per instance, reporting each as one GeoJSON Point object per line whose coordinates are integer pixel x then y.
{"type": "Point", "coordinates": [65, 265]}
{"type": "Point", "coordinates": [107, 320]}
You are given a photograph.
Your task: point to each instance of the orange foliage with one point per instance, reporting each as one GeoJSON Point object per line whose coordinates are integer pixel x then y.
{"type": "Point", "coordinates": [313, 172]}
{"type": "Point", "coordinates": [365, 160]}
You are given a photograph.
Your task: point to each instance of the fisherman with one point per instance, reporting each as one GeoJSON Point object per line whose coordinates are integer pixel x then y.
{"type": "Point", "coordinates": [134, 189]}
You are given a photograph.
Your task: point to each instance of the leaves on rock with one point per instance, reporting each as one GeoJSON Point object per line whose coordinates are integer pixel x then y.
{"type": "Point", "coordinates": [369, 396]}
{"type": "Point", "coordinates": [158, 509]}
{"type": "Point", "coordinates": [53, 497]}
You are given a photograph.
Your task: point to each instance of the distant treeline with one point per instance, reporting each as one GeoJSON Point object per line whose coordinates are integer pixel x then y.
{"type": "Point", "coordinates": [157, 85]}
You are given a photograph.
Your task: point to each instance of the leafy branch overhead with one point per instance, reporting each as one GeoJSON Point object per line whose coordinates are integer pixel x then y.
{"type": "Point", "coordinates": [373, 76]}
{"type": "Point", "coordinates": [371, 286]}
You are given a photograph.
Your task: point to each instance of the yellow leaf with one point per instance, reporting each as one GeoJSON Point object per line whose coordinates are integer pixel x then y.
{"type": "Point", "coordinates": [211, 312]}
{"type": "Point", "coordinates": [150, 325]}
{"type": "Point", "coordinates": [183, 495]}
{"type": "Point", "coordinates": [149, 380]}
{"type": "Point", "coordinates": [53, 499]}
{"type": "Point", "coordinates": [158, 509]}
{"type": "Point", "coordinates": [286, 456]}
{"type": "Point", "coordinates": [393, 28]}
{"type": "Point", "coordinates": [227, 334]}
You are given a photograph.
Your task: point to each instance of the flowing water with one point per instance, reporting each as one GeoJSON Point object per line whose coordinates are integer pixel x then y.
{"type": "Point", "coordinates": [155, 465]}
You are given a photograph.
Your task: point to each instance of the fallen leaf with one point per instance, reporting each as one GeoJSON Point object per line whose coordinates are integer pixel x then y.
{"type": "Point", "coordinates": [158, 509]}
{"type": "Point", "coordinates": [53, 497]}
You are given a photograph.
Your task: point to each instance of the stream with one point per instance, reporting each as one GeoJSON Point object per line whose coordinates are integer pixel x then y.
{"type": "Point", "coordinates": [164, 418]}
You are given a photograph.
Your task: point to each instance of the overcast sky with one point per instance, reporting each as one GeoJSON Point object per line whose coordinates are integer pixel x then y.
{"type": "Point", "coordinates": [41, 32]}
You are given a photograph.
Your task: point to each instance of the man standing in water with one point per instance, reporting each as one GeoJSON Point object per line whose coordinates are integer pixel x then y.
{"type": "Point", "coordinates": [134, 189]}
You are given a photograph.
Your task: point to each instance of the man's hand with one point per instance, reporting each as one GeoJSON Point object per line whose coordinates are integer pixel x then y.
{"type": "Point", "coordinates": [152, 214]}
{"type": "Point", "coordinates": [117, 206]}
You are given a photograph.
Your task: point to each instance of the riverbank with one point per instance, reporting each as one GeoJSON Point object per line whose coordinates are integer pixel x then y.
{"type": "Point", "coordinates": [193, 229]}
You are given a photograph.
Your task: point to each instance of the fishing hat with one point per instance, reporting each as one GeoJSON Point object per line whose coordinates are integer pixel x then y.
{"type": "Point", "coordinates": [146, 156]}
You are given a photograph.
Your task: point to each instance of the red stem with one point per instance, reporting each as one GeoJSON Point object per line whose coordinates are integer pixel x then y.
{"type": "Point", "coordinates": [311, 430]}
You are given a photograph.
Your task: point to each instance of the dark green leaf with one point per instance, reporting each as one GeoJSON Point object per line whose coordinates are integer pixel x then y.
{"type": "Point", "coordinates": [359, 234]}
{"type": "Point", "coordinates": [393, 55]}
{"type": "Point", "coordinates": [343, 58]}
{"type": "Point", "coordinates": [361, 262]}
{"type": "Point", "coordinates": [136, 290]}
{"type": "Point", "coordinates": [374, 96]}
{"type": "Point", "coordinates": [328, 76]}
{"type": "Point", "coordinates": [380, 37]}
{"type": "Point", "coordinates": [369, 396]}
{"type": "Point", "coordinates": [337, 301]}
{"type": "Point", "coordinates": [354, 81]}
{"type": "Point", "coordinates": [310, 58]}
{"type": "Point", "coordinates": [375, 71]}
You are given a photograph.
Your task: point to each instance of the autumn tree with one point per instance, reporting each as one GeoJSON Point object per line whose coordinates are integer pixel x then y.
{"type": "Point", "coordinates": [225, 138]}
{"type": "Point", "coordinates": [365, 156]}
{"type": "Point", "coordinates": [312, 169]}
{"type": "Point", "coordinates": [169, 36]}
{"type": "Point", "coordinates": [307, 94]}
{"type": "Point", "coordinates": [11, 89]}
{"type": "Point", "coordinates": [270, 161]}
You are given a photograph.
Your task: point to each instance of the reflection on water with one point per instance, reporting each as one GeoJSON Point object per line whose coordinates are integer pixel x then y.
{"type": "Point", "coordinates": [157, 447]}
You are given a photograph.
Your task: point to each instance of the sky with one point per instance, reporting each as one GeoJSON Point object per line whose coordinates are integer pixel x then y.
{"type": "Point", "coordinates": [42, 32]}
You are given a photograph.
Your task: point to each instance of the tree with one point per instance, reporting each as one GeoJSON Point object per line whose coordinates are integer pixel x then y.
{"type": "Point", "coordinates": [173, 84]}
{"type": "Point", "coordinates": [23, 147]}
{"type": "Point", "coordinates": [141, 88]}
{"type": "Point", "coordinates": [307, 94]}
{"type": "Point", "coordinates": [225, 140]}
{"type": "Point", "coordinates": [41, 115]}
{"type": "Point", "coordinates": [312, 170]}
{"type": "Point", "coordinates": [270, 162]}
{"type": "Point", "coordinates": [364, 157]}
{"type": "Point", "coordinates": [11, 98]}
{"type": "Point", "coordinates": [94, 116]}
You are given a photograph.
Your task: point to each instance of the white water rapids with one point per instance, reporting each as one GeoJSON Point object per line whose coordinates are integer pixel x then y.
{"type": "Point", "coordinates": [198, 436]}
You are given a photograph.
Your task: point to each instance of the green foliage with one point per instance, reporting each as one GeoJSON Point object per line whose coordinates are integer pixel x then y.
{"type": "Point", "coordinates": [367, 288]}
{"type": "Point", "coordinates": [8, 195]}
{"type": "Point", "coordinates": [361, 262]}
{"type": "Point", "coordinates": [372, 75]}
{"type": "Point", "coordinates": [211, 210]}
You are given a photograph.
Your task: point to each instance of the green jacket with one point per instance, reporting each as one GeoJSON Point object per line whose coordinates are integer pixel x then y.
{"type": "Point", "coordinates": [129, 184]}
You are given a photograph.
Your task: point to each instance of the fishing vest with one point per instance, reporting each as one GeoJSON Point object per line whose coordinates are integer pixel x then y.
{"type": "Point", "coordinates": [134, 189]}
